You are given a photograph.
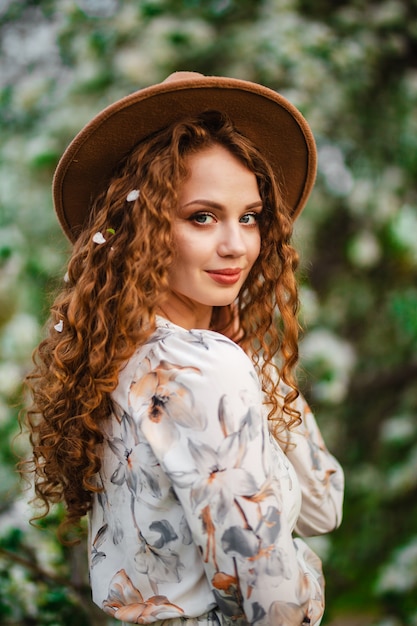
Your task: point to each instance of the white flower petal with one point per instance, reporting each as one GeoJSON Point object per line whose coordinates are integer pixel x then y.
{"type": "Point", "coordinates": [59, 327]}
{"type": "Point", "coordinates": [133, 195]}
{"type": "Point", "coordinates": [98, 238]}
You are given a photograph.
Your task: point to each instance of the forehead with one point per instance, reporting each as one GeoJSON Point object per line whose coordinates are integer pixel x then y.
{"type": "Point", "coordinates": [216, 170]}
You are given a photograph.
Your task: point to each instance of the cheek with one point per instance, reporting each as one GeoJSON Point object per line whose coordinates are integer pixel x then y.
{"type": "Point", "coordinates": [256, 247]}
{"type": "Point", "coordinates": [185, 249]}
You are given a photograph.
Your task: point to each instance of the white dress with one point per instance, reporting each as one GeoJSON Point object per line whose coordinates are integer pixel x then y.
{"type": "Point", "coordinates": [198, 505]}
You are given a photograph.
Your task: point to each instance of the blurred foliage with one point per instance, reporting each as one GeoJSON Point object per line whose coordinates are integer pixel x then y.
{"type": "Point", "coordinates": [351, 67]}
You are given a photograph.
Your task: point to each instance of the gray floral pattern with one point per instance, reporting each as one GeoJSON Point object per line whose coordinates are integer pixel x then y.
{"type": "Point", "coordinates": [198, 504]}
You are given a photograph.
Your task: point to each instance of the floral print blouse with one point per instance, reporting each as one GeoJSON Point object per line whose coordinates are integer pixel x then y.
{"type": "Point", "coordinates": [195, 520]}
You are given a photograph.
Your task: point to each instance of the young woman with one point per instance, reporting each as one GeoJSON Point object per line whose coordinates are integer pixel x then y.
{"type": "Point", "coordinates": [165, 404]}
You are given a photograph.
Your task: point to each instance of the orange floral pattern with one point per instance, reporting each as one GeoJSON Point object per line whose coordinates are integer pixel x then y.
{"type": "Point", "coordinates": [198, 505]}
{"type": "Point", "coordinates": [126, 603]}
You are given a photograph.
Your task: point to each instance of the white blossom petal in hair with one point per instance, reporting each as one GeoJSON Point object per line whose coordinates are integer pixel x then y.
{"type": "Point", "coordinates": [98, 238]}
{"type": "Point", "coordinates": [66, 278]}
{"type": "Point", "coordinates": [59, 327]}
{"type": "Point", "coordinates": [133, 195]}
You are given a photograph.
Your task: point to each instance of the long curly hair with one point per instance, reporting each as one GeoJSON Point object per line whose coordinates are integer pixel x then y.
{"type": "Point", "coordinates": [108, 304]}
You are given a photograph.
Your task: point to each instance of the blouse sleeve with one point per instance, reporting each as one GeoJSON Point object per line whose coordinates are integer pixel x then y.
{"type": "Point", "coordinates": [199, 407]}
{"type": "Point", "coordinates": [319, 473]}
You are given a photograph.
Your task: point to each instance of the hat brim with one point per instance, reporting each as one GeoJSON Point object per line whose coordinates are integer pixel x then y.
{"type": "Point", "coordinates": [268, 119]}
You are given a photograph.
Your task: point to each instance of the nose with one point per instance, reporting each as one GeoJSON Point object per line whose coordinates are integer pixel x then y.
{"type": "Point", "coordinates": [232, 242]}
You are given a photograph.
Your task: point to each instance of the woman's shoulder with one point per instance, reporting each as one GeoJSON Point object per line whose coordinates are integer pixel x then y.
{"type": "Point", "coordinates": [171, 348]}
{"type": "Point", "coordinates": [206, 350]}
{"type": "Point", "coordinates": [210, 344]}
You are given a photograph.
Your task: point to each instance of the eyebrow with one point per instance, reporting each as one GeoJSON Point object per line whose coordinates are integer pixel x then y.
{"type": "Point", "coordinates": [216, 205]}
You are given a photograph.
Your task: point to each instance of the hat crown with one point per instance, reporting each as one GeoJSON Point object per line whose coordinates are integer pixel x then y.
{"type": "Point", "coordinates": [182, 75]}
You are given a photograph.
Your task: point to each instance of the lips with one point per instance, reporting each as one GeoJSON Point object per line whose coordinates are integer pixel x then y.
{"type": "Point", "coordinates": [226, 276]}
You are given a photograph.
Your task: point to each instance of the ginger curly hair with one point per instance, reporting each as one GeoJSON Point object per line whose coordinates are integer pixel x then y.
{"type": "Point", "coordinates": [112, 294]}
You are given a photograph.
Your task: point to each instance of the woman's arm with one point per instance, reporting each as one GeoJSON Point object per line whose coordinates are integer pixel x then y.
{"type": "Point", "coordinates": [320, 475]}
{"type": "Point", "coordinates": [199, 407]}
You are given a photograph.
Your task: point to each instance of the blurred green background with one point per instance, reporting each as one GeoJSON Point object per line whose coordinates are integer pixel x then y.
{"type": "Point", "coordinates": [351, 67]}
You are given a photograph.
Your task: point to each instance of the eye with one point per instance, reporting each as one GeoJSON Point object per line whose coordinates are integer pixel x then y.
{"type": "Point", "coordinates": [202, 218]}
{"type": "Point", "coordinates": [251, 219]}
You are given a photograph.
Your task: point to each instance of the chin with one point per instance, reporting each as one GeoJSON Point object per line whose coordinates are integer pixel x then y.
{"type": "Point", "coordinates": [225, 302]}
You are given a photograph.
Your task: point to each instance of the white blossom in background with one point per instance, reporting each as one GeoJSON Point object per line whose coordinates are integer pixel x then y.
{"type": "Point", "coordinates": [140, 60]}
{"type": "Point", "coordinates": [378, 200]}
{"type": "Point", "coordinates": [127, 19]}
{"type": "Point", "coordinates": [50, 259]}
{"type": "Point", "coordinates": [274, 44]}
{"type": "Point", "coordinates": [10, 378]}
{"type": "Point", "coordinates": [132, 63]}
{"type": "Point", "coordinates": [10, 174]}
{"type": "Point", "coordinates": [32, 90]}
{"type": "Point", "coordinates": [361, 196]}
{"type": "Point", "coordinates": [39, 146]}
{"type": "Point", "coordinates": [10, 239]}
{"type": "Point", "coordinates": [24, 592]}
{"type": "Point", "coordinates": [18, 515]}
{"type": "Point", "coordinates": [278, 32]}
{"type": "Point", "coordinates": [32, 198]}
{"type": "Point", "coordinates": [83, 54]}
{"type": "Point", "coordinates": [387, 196]}
{"type": "Point", "coordinates": [388, 13]}
{"type": "Point", "coordinates": [99, 8]}
{"type": "Point", "coordinates": [404, 229]}
{"type": "Point", "coordinates": [347, 55]}
{"type": "Point", "coordinates": [397, 429]}
{"type": "Point", "coordinates": [19, 337]}
{"type": "Point", "coordinates": [86, 72]}
{"type": "Point", "coordinates": [31, 43]}
{"type": "Point", "coordinates": [364, 250]}
{"type": "Point", "coordinates": [400, 574]}
{"type": "Point", "coordinates": [310, 306]}
{"type": "Point", "coordinates": [335, 359]}
{"type": "Point", "coordinates": [332, 166]}
{"type": "Point", "coordinates": [68, 118]}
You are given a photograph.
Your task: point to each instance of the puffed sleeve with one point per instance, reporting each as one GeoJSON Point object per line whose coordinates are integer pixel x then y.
{"type": "Point", "coordinates": [319, 473]}
{"type": "Point", "coordinates": [198, 404]}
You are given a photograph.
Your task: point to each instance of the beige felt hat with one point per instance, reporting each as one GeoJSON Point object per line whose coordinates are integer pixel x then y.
{"type": "Point", "coordinates": [268, 119]}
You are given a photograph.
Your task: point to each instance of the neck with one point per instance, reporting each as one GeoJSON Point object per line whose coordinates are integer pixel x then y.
{"type": "Point", "coordinates": [186, 313]}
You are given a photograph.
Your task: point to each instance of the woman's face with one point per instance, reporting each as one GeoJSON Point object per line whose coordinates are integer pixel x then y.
{"type": "Point", "coordinates": [216, 236]}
